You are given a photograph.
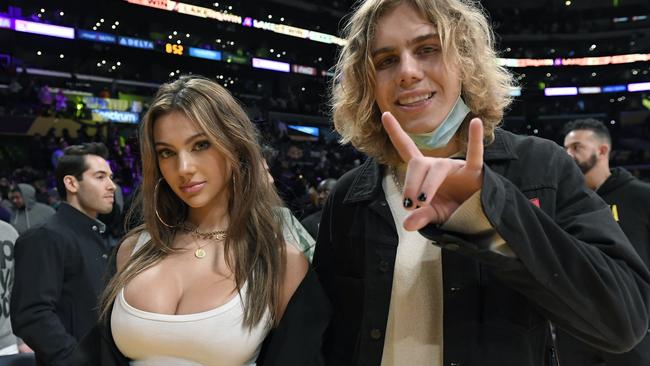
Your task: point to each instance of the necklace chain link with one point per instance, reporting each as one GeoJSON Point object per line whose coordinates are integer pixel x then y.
{"type": "Point", "coordinates": [217, 235]}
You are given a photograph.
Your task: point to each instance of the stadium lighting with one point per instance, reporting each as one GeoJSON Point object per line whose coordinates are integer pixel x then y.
{"type": "Point", "coordinates": [635, 87]}
{"type": "Point", "coordinates": [43, 29]}
{"type": "Point", "coordinates": [571, 90]}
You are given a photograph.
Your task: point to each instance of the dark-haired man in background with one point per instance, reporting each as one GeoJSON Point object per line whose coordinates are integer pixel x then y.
{"type": "Point", "coordinates": [59, 267]}
{"type": "Point", "coordinates": [589, 143]}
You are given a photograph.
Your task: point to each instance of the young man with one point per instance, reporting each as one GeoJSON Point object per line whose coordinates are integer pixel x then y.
{"type": "Point", "coordinates": [588, 142]}
{"type": "Point", "coordinates": [458, 243]}
{"type": "Point", "coordinates": [60, 266]}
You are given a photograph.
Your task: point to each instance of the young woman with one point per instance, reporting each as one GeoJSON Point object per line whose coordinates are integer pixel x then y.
{"type": "Point", "coordinates": [208, 275]}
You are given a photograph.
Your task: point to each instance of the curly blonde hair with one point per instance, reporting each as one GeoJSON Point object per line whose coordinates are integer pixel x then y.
{"type": "Point", "coordinates": [466, 38]}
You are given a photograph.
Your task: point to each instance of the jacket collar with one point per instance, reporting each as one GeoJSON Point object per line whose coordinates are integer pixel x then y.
{"type": "Point", "coordinates": [367, 183]}
{"type": "Point", "coordinates": [79, 219]}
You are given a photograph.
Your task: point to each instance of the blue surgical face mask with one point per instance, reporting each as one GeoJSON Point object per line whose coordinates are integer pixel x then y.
{"type": "Point", "coordinates": [441, 136]}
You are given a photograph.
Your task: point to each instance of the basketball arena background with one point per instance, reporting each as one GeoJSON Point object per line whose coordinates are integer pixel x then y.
{"type": "Point", "coordinates": [75, 71]}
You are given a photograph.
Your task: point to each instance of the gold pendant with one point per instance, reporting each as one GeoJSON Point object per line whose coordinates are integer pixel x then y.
{"type": "Point", "coordinates": [199, 253]}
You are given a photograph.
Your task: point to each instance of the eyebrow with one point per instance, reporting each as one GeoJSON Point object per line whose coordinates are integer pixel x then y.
{"type": "Point", "coordinates": [411, 42]}
{"type": "Point", "coordinates": [103, 172]}
{"type": "Point", "coordinates": [187, 141]}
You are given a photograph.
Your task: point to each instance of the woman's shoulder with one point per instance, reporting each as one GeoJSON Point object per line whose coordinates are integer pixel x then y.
{"type": "Point", "coordinates": [133, 241]}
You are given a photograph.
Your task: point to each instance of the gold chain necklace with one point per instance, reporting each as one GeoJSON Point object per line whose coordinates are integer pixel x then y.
{"type": "Point", "coordinates": [217, 235]}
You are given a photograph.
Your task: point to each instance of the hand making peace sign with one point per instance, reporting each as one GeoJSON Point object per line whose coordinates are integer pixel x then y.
{"type": "Point", "coordinates": [438, 185]}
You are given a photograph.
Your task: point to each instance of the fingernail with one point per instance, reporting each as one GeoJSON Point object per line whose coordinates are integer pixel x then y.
{"type": "Point", "coordinates": [408, 203]}
{"type": "Point", "coordinates": [422, 197]}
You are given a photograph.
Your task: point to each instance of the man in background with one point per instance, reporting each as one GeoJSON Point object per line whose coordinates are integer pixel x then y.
{"type": "Point", "coordinates": [589, 143]}
{"type": "Point", "coordinates": [60, 265]}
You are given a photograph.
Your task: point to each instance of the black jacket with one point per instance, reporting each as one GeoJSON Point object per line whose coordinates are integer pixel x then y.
{"type": "Point", "coordinates": [297, 340]}
{"type": "Point", "coordinates": [629, 200]}
{"type": "Point", "coordinates": [59, 275]}
{"type": "Point", "coordinates": [574, 266]}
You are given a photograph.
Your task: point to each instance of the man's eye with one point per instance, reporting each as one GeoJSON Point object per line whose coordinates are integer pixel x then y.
{"type": "Point", "coordinates": [428, 49]}
{"type": "Point", "coordinates": [385, 62]}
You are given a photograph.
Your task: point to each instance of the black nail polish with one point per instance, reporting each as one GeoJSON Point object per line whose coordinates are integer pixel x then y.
{"type": "Point", "coordinates": [408, 203]}
{"type": "Point", "coordinates": [422, 197]}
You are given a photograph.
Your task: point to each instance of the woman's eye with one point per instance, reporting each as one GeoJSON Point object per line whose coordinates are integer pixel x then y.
{"type": "Point", "coordinates": [202, 145]}
{"type": "Point", "coordinates": [164, 153]}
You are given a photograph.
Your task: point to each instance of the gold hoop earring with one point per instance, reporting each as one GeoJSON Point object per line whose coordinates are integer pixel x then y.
{"type": "Point", "coordinates": [155, 204]}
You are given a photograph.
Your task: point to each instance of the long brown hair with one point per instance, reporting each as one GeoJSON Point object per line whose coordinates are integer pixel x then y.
{"type": "Point", "coordinates": [467, 39]}
{"type": "Point", "coordinates": [255, 250]}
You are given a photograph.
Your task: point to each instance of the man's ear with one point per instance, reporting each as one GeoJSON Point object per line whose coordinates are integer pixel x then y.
{"type": "Point", "coordinates": [603, 150]}
{"type": "Point", "coordinates": [71, 183]}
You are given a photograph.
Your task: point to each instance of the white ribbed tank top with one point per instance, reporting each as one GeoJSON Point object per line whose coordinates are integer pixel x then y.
{"type": "Point", "coordinates": [215, 337]}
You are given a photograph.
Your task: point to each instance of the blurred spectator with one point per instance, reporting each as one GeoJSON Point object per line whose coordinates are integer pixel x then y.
{"type": "Point", "coordinates": [105, 93]}
{"type": "Point", "coordinates": [53, 198]}
{"type": "Point", "coordinates": [4, 188]}
{"type": "Point", "coordinates": [46, 99]}
{"type": "Point", "coordinates": [58, 152]}
{"type": "Point", "coordinates": [312, 222]}
{"type": "Point", "coordinates": [14, 97]}
{"type": "Point", "coordinates": [65, 134]}
{"type": "Point", "coordinates": [8, 236]}
{"type": "Point", "coordinates": [41, 191]}
{"type": "Point", "coordinates": [61, 103]}
{"type": "Point", "coordinates": [25, 211]}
